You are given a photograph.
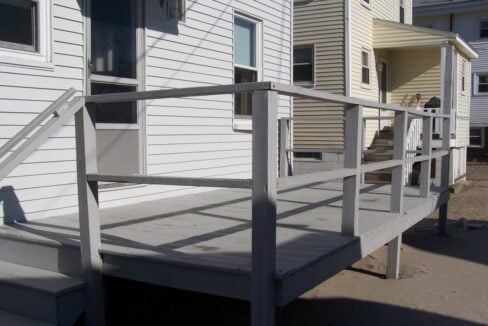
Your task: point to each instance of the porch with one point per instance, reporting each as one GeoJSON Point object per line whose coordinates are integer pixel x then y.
{"type": "Point", "coordinates": [266, 239]}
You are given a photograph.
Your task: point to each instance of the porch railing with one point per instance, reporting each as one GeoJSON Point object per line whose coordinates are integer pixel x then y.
{"type": "Point", "coordinates": [265, 180]}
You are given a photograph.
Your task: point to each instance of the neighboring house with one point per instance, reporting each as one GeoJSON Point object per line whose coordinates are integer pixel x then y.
{"type": "Point", "coordinates": [368, 49]}
{"type": "Point", "coordinates": [48, 46]}
{"type": "Point", "coordinates": [470, 20]}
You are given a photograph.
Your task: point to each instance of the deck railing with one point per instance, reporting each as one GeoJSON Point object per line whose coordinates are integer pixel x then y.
{"type": "Point", "coordinates": [265, 177]}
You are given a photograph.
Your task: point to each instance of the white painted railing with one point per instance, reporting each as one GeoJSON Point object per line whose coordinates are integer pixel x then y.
{"type": "Point", "coordinates": [414, 143]}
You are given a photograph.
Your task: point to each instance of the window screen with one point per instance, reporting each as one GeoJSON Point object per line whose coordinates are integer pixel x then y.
{"type": "Point", "coordinates": [484, 29]}
{"type": "Point", "coordinates": [18, 25]}
{"type": "Point", "coordinates": [483, 84]}
{"type": "Point", "coordinates": [476, 137]}
{"type": "Point", "coordinates": [365, 67]}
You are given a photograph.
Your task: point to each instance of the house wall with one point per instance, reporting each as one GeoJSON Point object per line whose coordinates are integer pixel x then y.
{"type": "Point", "coordinates": [467, 25]}
{"type": "Point", "coordinates": [187, 137]}
{"type": "Point", "coordinates": [362, 39]}
{"type": "Point", "coordinates": [322, 23]}
{"type": "Point", "coordinates": [463, 102]}
{"type": "Point", "coordinates": [416, 71]}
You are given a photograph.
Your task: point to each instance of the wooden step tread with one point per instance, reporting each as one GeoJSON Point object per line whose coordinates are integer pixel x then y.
{"type": "Point", "coordinates": [38, 279]}
{"type": "Point", "coordinates": [9, 318]}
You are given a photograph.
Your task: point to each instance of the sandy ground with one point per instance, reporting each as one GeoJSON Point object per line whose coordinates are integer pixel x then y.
{"type": "Point", "coordinates": [444, 281]}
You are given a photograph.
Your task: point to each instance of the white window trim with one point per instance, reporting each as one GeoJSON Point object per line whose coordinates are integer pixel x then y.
{"type": "Point", "coordinates": [369, 52]}
{"type": "Point", "coordinates": [42, 59]}
{"type": "Point", "coordinates": [314, 79]}
{"type": "Point", "coordinates": [482, 138]}
{"type": "Point", "coordinates": [402, 5]}
{"type": "Point", "coordinates": [240, 122]}
{"type": "Point", "coordinates": [365, 4]}
{"type": "Point", "coordinates": [476, 80]}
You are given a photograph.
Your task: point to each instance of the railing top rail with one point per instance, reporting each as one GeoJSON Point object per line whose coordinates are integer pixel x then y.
{"type": "Point", "coordinates": [24, 132]}
{"type": "Point", "coordinates": [283, 89]}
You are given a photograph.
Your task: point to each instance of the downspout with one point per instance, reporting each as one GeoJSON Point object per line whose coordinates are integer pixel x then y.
{"type": "Point", "coordinates": [347, 48]}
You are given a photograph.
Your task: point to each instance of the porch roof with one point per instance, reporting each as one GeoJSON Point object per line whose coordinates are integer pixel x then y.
{"type": "Point", "coordinates": [388, 34]}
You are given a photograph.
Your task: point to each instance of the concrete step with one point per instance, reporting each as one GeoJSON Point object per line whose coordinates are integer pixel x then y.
{"type": "Point", "coordinates": [382, 142]}
{"type": "Point", "coordinates": [8, 318]}
{"type": "Point", "coordinates": [39, 294]}
{"type": "Point", "coordinates": [23, 247]}
{"type": "Point", "coordinates": [377, 156]}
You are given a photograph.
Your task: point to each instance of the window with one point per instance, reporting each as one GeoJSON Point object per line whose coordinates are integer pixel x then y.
{"type": "Point", "coordinates": [402, 11]}
{"type": "Point", "coordinates": [365, 71]}
{"type": "Point", "coordinates": [477, 137]}
{"type": "Point", "coordinates": [482, 87]}
{"type": "Point", "coordinates": [484, 29]}
{"type": "Point", "coordinates": [303, 64]}
{"type": "Point", "coordinates": [246, 60]}
{"type": "Point", "coordinates": [366, 3]}
{"type": "Point", "coordinates": [463, 76]}
{"type": "Point", "coordinates": [18, 25]}
{"type": "Point", "coordinates": [175, 9]}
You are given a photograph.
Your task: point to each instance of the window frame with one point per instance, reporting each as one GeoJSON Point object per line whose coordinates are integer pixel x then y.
{"type": "Point", "coordinates": [479, 29]}
{"type": "Point", "coordinates": [369, 53]}
{"type": "Point", "coordinates": [476, 88]}
{"type": "Point", "coordinates": [35, 31]}
{"type": "Point", "coordinates": [402, 12]}
{"type": "Point", "coordinates": [312, 63]}
{"type": "Point", "coordinates": [41, 58]}
{"type": "Point", "coordinates": [482, 137]}
{"type": "Point", "coordinates": [463, 76]}
{"type": "Point", "coordinates": [243, 122]}
{"type": "Point", "coordinates": [367, 3]}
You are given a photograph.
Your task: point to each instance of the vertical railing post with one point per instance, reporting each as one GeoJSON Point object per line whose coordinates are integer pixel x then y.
{"type": "Point", "coordinates": [284, 133]}
{"type": "Point", "coordinates": [89, 216]}
{"type": "Point", "coordinates": [425, 166]}
{"type": "Point", "coordinates": [447, 78]}
{"type": "Point", "coordinates": [352, 160]}
{"type": "Point", "coordinates": [398, 172]}
{"type": "Point", "coordinates": [264, 176]}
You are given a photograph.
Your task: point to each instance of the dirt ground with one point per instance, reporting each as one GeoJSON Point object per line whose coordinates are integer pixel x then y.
{"type": "Point", "coordinates": [444, 281]}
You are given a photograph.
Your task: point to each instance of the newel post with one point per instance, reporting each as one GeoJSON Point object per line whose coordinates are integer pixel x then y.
{"type": "Point", "coordinates": [264, 177]}
{"type": "Point", "coordinates": [89, 216]}
{"type": "Point", "coordinates": [398, 172]}
{"type": "Point", "coordinates": [425, 166]}
{"type": "Point", "coordinates": [352, 160]}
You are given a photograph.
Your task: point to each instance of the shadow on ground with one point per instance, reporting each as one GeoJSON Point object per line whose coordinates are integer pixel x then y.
{"type": "Point", "coordinates": [132, 303]}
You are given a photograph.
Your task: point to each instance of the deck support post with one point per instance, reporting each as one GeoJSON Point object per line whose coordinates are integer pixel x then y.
{"type": "Point", "coordinates": [398, 172]}
{"type": "Point", "coordinates": [89, 216]}
{"type": "Point", "coordinates": [447, 91]}
{"type": "Point", "coordinates": [352, 160]}
{"type": "Point", "coordinates": [425, 166]}
{"type": "Point", "coordinates": [284, 133]}
{"type": "Point", "coordinates": [264, 196]}
{"type": "Point", "coordinates": [393, 258]}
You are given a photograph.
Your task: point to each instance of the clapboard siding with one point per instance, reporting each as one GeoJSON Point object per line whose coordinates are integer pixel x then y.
{"type": "Point", "coordinates": [321, 23]}
{"type": "Point", "coordinates": [195, 137]}
{"type": "Point", "coordinates": [192, 137]}
{"type": "Point", "coordinates": [45, 182]}
{"type": "Point", "coordinates": [407, 79]}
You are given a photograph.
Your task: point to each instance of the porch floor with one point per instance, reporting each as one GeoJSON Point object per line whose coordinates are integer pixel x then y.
{"type": "Point", "coordinates": [202, 242]}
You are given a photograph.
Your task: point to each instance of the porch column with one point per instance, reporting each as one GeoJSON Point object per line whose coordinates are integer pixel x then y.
{"type": "Point", "coordinates": [264, 177]}
{"type": "Point", "coordinates": [447, 73]}
{"type": "Point", "coordinates": [89, 216]}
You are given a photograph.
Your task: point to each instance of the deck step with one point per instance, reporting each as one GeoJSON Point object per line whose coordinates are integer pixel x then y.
{"type": "Point", "coordinates": [39, 294]}
{"type": "Point", "coordinates": [381, 176]}
{"type": "Point", "coordinates": [24, 247]}
{"type": "Point", "coordinates": [8, 318]}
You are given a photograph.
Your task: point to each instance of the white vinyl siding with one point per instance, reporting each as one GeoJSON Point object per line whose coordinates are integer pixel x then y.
{"type": "Point", "coordinates": [184, 137]}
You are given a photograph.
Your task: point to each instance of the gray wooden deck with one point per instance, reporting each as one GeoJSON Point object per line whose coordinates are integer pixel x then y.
{"type": "Point", "coordinates": [202, 242]}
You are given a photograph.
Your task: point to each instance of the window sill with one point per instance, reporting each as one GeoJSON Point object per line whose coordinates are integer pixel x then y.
{"type": "Point", "coordinates": [365, 5]}
{"type": "Point", "coordinates": [116, 126]}
{"type": "Point", "coordinates": [241, 124]}
{"type": "Point", "coordinates": [366, 86]}
{"type": "Point", "coordinates": [481, 94]}
{"type": "Point", "coordinates": [26, 63]}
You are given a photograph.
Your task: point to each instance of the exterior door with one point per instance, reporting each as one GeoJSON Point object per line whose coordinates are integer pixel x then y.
{"type": "Point", "coordinates": [113, 66]}
{"type": "Point", "coordinates": [383, 90]}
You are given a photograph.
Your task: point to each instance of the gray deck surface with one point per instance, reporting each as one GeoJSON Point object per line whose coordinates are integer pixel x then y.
{"type": "Point", "coordinates": [211, 230]}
